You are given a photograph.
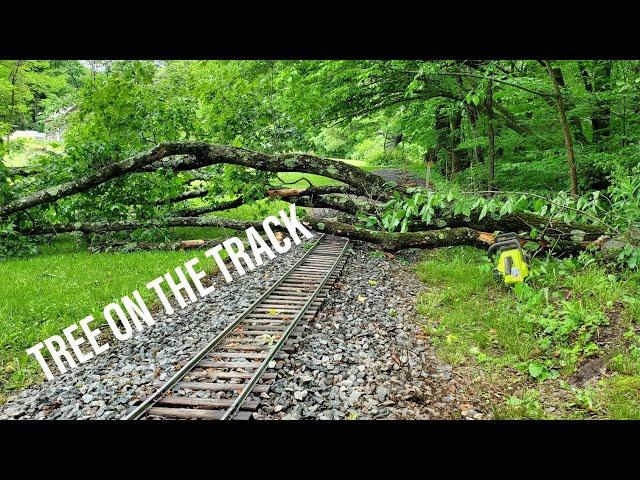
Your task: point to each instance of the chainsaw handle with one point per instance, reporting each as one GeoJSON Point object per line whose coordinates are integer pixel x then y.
{"type": "Point", "coordinates": [494, 247]}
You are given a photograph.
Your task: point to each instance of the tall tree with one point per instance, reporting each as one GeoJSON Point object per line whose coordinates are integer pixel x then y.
{"type": "Point", "coordinates": [566, 132]}
{"type": "Point", "coordinates": [490, 135]}
{"type": "Point", "coordinates": [597, 81]}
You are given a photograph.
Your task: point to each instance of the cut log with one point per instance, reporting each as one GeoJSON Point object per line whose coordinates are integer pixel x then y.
{"type": "Point", "coordinates": [388, 241]}
{"type": "Point", "coordinates": [516, 222]}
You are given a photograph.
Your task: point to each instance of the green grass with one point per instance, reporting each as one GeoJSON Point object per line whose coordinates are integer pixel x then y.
{"type": "Point", "coordinates": [49, 292]}
{"type": "Point", "coordinates": [24, 151]}
{"type": "Point", "coordinates": [456, 308]}
{"type": "Point", "coordinates": [256, 211]}
{"type": "Point", "coordinates": [620, 396]}
{"type": "Point", "coordinates": [295, 180]}
{"type": "Point", "coordinates": [545, 328]}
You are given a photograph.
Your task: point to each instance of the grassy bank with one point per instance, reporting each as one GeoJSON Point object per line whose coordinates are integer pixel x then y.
{"type": "Point", "coordinates": [46, 293]}
{"type": "Point", "coordinates": [542, 343]}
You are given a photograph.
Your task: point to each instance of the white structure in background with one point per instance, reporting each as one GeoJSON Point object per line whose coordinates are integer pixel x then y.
{"type": "Point", "coordinates": [55, 124]}
{"type": "Point", "coordinates": [32, 134]}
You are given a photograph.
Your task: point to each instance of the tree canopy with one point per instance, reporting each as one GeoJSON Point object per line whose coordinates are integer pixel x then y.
{"type": "Point", "coordinates": [549, 138]}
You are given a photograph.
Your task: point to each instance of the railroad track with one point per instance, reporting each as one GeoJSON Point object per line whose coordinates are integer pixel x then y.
{"type": "Point", "coordinates": [233, 366]}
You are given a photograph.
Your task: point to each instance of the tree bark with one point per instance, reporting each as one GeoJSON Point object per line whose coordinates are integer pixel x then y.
{"type": "Point", "coordinates": [510, 120]}
{"type": "Point", "coordinates": [387, 241]}
{"type": "Point", "coordinates": [393, 242]}
{"type": "Point", "coordinates": [125, 225]}
{"type": "Point", "coordinates": [490, 136]}
{"type": "Point", "coordinates": [199, 155]}
{"type": "Point", "coordinates": [598, 83]}
{"type": "Point", "coordinates": [458, 162]}
{"type": "Point", "coordinates": [562, 114]}
{"type": "Point", "coordinates": [171, 246]}
{"type": "Point", "coordinates": [472, 113]}
{"type": "Point", "coordinates": [518, 222]}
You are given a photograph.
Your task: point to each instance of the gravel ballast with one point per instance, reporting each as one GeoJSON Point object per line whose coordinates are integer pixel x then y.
{"type": "Point", "coordinates": [362, 357]}
{"type": "Point", "coordinates": [365, 357]}
{"type": "Point", "coordinates": [107, 385]}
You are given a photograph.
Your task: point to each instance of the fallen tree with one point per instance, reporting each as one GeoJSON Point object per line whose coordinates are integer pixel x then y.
{"type": "Point", "coordinates": [184, 156]}
{"type": "Point", "coordinates": [361, 194]}
{"type": "Point", "coordinates": [172, 246]}
{"type": "Point", "coordinates": [388, 241]}
{"type": "Point", "coordinates": [124, 225]}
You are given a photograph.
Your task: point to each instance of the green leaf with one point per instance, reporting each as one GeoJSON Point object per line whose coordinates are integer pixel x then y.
{"type": "Point", "coordinates": [535, 369]}
{"type": "Point", "coordinates": [531, 246]}
{"type": "Point", "coordinates": [483, 212]}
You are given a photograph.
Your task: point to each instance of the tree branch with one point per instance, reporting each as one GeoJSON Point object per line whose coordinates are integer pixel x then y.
{"type": "Point", "coordinates": [198, 155]}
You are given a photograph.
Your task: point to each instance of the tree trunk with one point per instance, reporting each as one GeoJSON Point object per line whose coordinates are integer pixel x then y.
{"type": "Point", "coordinates": [392, 242]}
{"type": "Point", "coordinates": [12, 112]}
{"type": "Point", "coordinates": [195, 155]}
{"type": "Point", "coordinates": [472, 113]}
{"type": "Point", "coordinates": [455, 136]}
{"type": "Point", "coordinates": [125, 225]}
{"type": "Point", "coordinates": [562, 114]}
{"type": "Point", "coordinates": [510, 120]}
{"type": "Point", "coordinates": [601, 119]}
{"type": "Point", "coordinates": [386, 240]}
{"type": "Point", "coordinates": [598, 84]}
{"type": "Point", "coordinates": [518, 222]}
{"type": "Point", "coordinates": [491, 136]}
{"type": "Point", "coordinates": [170, 246]}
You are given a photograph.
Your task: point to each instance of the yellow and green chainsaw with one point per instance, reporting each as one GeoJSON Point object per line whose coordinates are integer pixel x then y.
{"type": "Point", "coordinates": [513, 263]}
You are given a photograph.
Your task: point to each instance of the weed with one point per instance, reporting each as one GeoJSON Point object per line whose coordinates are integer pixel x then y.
{"type": "Point", "coordinates": [527, 406]}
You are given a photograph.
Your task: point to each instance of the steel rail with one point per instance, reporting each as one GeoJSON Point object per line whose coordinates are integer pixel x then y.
{"type": "Point", "coordinates": [258, 373]}
{"type": "Point", "coordinates": [151, 400]}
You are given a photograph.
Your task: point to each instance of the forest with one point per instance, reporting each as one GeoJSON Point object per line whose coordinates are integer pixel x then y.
{"type": "Point", "coordinates": [145, 160]}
